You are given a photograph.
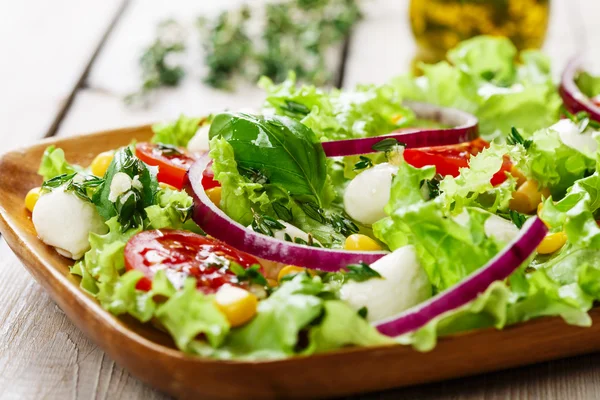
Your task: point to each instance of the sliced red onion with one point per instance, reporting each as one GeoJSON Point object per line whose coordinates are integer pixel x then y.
{"type": "Point", "coordinates": [218, 224]}
{"type": "Point", "coordinates": [465, 128]}
{"type": "Point", "coordinates": [499, 268]}
{"type": "Point", "coordinates": [574, 100]}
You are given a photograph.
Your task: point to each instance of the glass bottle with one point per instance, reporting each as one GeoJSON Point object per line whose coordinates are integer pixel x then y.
{"type": "Point", "coordinates": [438, 25]}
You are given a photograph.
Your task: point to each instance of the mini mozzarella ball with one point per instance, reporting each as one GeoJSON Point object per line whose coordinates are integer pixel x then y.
{"type": "Point", "coordinates": [292, 231]}
{"type": "Point", "coordinates": [369, 192]}
{"type": "Point", "coordinates": [199, 143]}
{"type": "Point", "coordinates": [403, 285]}
{"type": "Point", "coordinates": [494, 226]}
{"type": "Point", "coordinates": [121, 183]}
{"type": "Point", "coordinates": [65, 221]}
{"type": "Point", "coordinates": [570, 135]}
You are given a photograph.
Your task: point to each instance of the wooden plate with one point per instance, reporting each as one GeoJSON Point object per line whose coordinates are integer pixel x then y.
{"type": "Point", "coordinates": [151, 356]}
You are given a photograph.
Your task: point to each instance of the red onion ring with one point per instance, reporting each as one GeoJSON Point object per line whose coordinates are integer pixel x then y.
{"type": "Point", "coordinates": [499, 268]}
{"type": "Point", "coordinates": [574, 100]}
{"type": "Point", "coordinates": [465, 129]}
{"type": "Point", "coordinates": [218, 224]}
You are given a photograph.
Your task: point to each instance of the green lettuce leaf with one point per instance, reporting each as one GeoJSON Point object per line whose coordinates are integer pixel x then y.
{"type": "Point", "coordinates": [530, 295]}
{"type": "Point", "coordinates": [274, 332]}
{"type": "Point", "coordinates": [104, 262]}
{"type": "Point", "coordinates": [489, 309]}
{"type": "Point", "coordinates": [177, 133]}
{"type": "Point", "coordinates": [172, 210]}
{"type": "Point", "coordinates": [575, 213]}
{"type": "Point", "coordinates": [54, 164]}
{"type": "Point", "coordinates": [438, 240]}
{"type": "Point", "coordinates": [554, 164]}
{"type": "Point", "coordinates": [189, 313]}
{"type": "Point", "coordinates": [472, 186]}
{"type": "Point", "coordinates": [342, 326]}
{"type": "Point", "coordinates": [238, 194]}
{"type": "Point", "coordinates": [368, 110]}
{"type": "Point", "coordinates": [588, 84]}
{"type": "Point", "coordinates": [490, 59]}
{"type": "Point", "coordinates": [485, 79]}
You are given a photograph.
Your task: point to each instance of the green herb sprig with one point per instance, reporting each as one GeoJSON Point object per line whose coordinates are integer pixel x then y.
{"type": "Point", "coordinates": [514, 137]}
{"type": "Point", "coordinates": [81, 188]}
{"type": "Point", "coordinates": [158, 62]}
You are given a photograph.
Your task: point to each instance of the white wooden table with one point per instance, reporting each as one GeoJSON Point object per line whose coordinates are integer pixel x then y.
{"type": "Point", "coordinates": [64, 69]}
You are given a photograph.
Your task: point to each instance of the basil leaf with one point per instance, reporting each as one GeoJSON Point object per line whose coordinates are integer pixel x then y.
{"type": "Point", "coordinates": [283, 150]}
{"type": "Point", "coordinates": [129, 206]}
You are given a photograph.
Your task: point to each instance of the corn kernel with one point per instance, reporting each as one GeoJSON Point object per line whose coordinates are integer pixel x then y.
{"type": "Point", "coordinates": [515, 172]}
{"type": "Point", "coordinates": [289, 269]}
{"type": "Point", "coordinates": [163, 185]}
{"type": "Point", "coordinates": [32, 198]}
{"type": "Point", "coordinates": [358, 242]}
{"type": "Point", "coordinates": [552, 242]}
{"type": "Point", "coordinates": [101, 163]}
{"type": "Point", "coordinates": [396, 118]}
{"type": "Point", "coordinates": [272, 282]}
{"type": "Point", "coordinates": [214, 194]}
{"type": "Point", "coordinates": [527, 197]}
{"type": "Point", "coordinates": [238, 305]}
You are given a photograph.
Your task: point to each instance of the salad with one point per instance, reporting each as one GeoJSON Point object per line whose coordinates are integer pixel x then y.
{"type": "Point", "coordinates": [460, 199]}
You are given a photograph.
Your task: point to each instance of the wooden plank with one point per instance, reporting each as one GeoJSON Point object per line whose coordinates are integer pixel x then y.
{"type": "Point", "coordinates": [94, 110]}
{"type": "Point", "coordinates": [43, 355]}
{"type": "Point", "coordinates": [46, 47]}
{"type": "Point", "coordinates": [382, 45]}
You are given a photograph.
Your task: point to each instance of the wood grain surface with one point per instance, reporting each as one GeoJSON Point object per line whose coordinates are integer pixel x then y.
{"type": "Point", "coordinates": [42, 354]}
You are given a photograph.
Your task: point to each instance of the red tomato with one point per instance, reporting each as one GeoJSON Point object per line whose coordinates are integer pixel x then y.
{"type": "Point", "coordinates": [449, 159]}
{"type": "Point", "coordinates": [184, 254]}
{"type": "Point", "coordinates": [172, 162]}
{"type": "Point", "coordinates": [208, 178]}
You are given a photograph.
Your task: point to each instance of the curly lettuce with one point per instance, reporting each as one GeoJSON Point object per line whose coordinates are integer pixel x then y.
{"type": "Point", "coordinates": [484, 78]}
{"type": "Point", "coordinates": [368, 110]}
{"type": "Point", "coordinates": [54, 164]}
{"type": "Point", "coordinates": [472, 187]}
{"type": "Point", "coordinates": [438, 240]}
{"type": "Point", "coordinates": [177, 133]}
{"type": "Point", "coordinates": [553, 164]}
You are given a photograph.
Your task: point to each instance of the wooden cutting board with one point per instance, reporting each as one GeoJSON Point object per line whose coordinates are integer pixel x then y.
{"type": "Point", "coordinates": [151, 356]}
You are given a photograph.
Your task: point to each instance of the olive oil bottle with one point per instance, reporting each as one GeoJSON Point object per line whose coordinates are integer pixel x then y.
{"type": "Point", "coordinates": [438, 25]}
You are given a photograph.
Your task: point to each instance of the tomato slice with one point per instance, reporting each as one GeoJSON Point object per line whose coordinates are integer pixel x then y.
{"type": "Point", "coordinates": [184, 254]}
{"type": "Point", "coordinates": [172, 162]}
{"type": "Point", "coordinates": [208, 178]}
{"type": "Point", "coordinates": [449, 159]}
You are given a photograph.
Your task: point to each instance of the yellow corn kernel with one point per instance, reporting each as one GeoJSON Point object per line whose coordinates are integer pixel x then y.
{"type": "Point", "coordinates": [272, 282]}
{"type": "Point", "coordinates": [289, 269]}
{"type": "Point", "coordinates": [527, 197]}
{"type": "Point", "coordinates": [396, 118]}
{"type": "Point", "coordinates": [101, 163]}
{"type": "Point", "coordinates": [214, 194]}
{"type": "Point", "coordinates": [552, 242]}
{"type": "Point", "coordinates": [163, 185]}
{"type": "Point", "coordinates": [515, 172]}
{"type": "Point", "coordinates": [32, 197]}
{"type": "Point", "coordinates": [358, 242]}
{"type": "Point", "coordinates": [238, 305]}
